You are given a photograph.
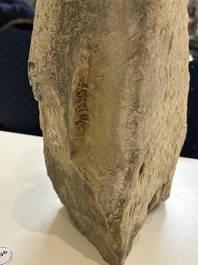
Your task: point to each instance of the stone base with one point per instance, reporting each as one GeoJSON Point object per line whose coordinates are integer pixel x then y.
{"type": "Point", "coordinates": [111, 78]}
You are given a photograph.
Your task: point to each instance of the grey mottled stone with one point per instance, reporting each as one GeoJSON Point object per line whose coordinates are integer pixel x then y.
{"type": "Point", "coordinates": [111, 78]}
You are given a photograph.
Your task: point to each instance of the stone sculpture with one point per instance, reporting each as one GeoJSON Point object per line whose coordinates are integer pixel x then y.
{"type": "Point", "coordinates": [111, 79]}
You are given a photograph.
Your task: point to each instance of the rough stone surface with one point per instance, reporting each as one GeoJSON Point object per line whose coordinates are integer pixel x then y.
{"type": "Point", "coordinates": [111, 78]}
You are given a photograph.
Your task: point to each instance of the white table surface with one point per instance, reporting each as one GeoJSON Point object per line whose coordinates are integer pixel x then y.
{"type": "Point", "coordinates": [37, 228]}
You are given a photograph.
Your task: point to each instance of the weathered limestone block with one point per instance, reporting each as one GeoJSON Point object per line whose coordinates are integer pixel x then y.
{"type": "Point", "coordinates": [111, 78]}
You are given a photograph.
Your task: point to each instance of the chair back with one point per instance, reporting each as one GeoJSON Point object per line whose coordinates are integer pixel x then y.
{"type": "Point", "coordinates": [18, 108]}
{"type": "Point", "coordinates": [190, 147]}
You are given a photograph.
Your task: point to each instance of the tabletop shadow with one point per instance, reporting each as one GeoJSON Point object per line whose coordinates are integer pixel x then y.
{"type": "Point", "coordinates": [39, 210]}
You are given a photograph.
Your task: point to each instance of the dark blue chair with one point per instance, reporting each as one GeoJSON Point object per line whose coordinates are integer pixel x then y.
{"type": "Point", "coordinates": [190, 147]}
{"type": "Point", "coordinates": [18, 108]}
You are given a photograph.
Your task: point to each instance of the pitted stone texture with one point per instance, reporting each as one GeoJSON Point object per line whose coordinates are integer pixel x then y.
{"type": "Point", "coordinates": [111, 78]}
